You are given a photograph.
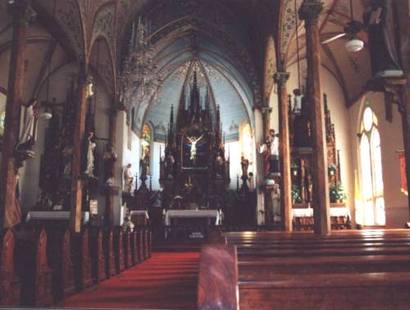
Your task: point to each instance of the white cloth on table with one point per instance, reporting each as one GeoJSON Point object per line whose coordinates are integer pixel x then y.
{"type": "Point", "coordinates": [307, 212]}
{"type": "Point", "coordinates": [169, 214]}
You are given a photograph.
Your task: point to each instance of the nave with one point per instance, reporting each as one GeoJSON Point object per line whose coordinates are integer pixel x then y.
{"type": "Point", "coordinates": [168, 280]}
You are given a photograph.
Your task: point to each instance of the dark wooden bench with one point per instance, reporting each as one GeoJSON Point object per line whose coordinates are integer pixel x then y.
{"type": "Point", "coordinates": [304, 271]}
{"type": "Point", "coordinates": [33, 269]}
{"type": "Point", "coordinates": [134, 248]}
{"type": "Point", "coordinates": [108, 244]}
{"type": "Point", "coordinates": [82, 260]}
{"type": "Point", "coordinates": [10, 285]}
{"type": "Point", "coordinates": [59, 257]}
{"type": "Point", "coordinates": [97, 255]}
{"type": "Point", "coordinates": [127, 249]}
{"type": "Point", "coordinates": [119, 249]}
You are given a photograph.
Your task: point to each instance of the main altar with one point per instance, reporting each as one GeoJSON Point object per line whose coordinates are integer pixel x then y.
{"type": "Point", "coordinates": [194, 172]}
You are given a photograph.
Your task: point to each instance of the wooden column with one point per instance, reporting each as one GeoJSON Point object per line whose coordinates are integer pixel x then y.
{"type": "Point", "coordinates": [284, 151]}
{"type": "Point", "coordinates": [10, 213]}
{"type": "Point", "coordinates": [76, 166]}
{"type": "Point", "coordinates": [309, 12]}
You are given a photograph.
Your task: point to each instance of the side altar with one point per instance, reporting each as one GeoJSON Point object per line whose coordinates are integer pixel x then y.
{"type": "Point", "coordinates": [194, 172]}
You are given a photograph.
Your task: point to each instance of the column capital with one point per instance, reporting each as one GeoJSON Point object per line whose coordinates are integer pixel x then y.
{"type": "Point", "coordinates": [281, 78]}
{"type": "Point", "coordinates": [309, 10]}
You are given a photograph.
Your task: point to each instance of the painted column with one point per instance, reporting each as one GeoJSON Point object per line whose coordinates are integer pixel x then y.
{"type": "Point", "coordinates": [284, 151]}
{"type": "Point", "coordinates": [76, 166]}
{"type": "Point", "coordinates": [309, 12]}
{"type": "Point", "coordinates": [10, 212]}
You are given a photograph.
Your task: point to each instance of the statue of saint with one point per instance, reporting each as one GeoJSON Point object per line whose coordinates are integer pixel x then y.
{"type": "Point", "coordinates": [379, 21]}
{"type": "Point", "coordinates": [169, 164]}
{"type": "Point", "coordinates": [244, 165]}
{"type": "Point", "coordinates": [144, 166]}
{"type": "Point", "coordinates": [110, 157]}
{"type": "Point", "coordinates": [28, 134]}
{"type": "Point", "coordinates": [193, 142]}
{"type": "Point", "coordinates": [128, 179]}
{"type": "Point", "coordinates": [270, 151]}
{"type": "Point", "coordinates": [91, 145]}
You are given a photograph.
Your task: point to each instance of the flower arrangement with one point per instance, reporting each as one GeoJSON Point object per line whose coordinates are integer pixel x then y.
{"type": "Point", "coordinates": [296, 198]}
{"type": "Point", "coordinates": [337, 193]}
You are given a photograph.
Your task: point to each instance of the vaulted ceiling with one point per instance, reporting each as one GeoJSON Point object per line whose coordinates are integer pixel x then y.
{"type": "Point", "coordinates": [238, 39]}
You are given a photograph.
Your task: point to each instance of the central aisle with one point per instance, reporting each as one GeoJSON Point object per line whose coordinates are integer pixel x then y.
{"type": "Point", "coordinates": [168, 280]}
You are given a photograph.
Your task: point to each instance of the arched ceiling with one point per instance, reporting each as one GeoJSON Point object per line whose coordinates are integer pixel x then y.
{"type": "Point", "coordinates": [213, 35]}
{"type": "Point", "coordinates": [351, 70]}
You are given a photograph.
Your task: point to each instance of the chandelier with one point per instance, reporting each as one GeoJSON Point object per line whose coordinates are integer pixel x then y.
{"type": "Point", "coordinates": [139, 80]}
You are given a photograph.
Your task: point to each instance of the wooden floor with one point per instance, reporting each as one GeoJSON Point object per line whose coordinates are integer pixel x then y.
{"type": "Point", "coordinates": [345, 270]}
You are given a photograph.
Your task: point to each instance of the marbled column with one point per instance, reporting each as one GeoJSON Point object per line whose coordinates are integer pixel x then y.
{"type": "Point", "coordinates": [284, 151]}
{"type": "Point", "coordinates": [10, 213]}
{"type": "Point", "coordinates": [309, 12]}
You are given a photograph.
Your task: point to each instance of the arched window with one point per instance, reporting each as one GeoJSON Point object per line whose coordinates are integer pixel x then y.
{"type": "Point", "coordinates": [371, 173]}
{"type": "Point", "coordinates": [3, 99]}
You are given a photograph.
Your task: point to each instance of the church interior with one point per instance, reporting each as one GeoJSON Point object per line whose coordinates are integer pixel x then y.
{"type": "Point", "coordinates": [200, 154]}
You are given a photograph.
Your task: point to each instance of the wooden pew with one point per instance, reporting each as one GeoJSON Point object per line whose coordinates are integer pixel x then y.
{"type": "Point", "coordinates": [218, 278]}
{"type": "Point", "coordinates": [140, 237]}
{"type": "Point", "coordinates": [97, 255]}
{"type": "Point", "coordinates": [109, 252]}
{"type": "Point", "coordinates": [10, 285]}
{"type": "Point", "coordinates": [134, 248]}
{"type": "Point", "coordinates": [341, 271]}
{"type": "Point", "coordinates": [59, 257]}
{"type": "Point", "coordinates": [82, 260]}
{"type": "Point", "coordinates": [127, 249]}
{"type": "Point", "coordinates": [119, 250]}
{"type": "Point", "coordinates": [33, 269]}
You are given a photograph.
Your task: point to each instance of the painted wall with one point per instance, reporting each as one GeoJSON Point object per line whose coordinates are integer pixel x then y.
{"type": "Point", "coordinates": [397, 212]}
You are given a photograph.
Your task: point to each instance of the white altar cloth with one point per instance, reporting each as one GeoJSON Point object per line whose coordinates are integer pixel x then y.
{"type": "Point", "coordinates": [54, 215]}
{"type": "Point", "coordinates": [216, 214]}
{"type": "Point", "coordinates": [307, 212]}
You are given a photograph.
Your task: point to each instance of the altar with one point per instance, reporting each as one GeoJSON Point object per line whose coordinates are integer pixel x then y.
{"type": "Point", "coordinates": [192, 223]}
{"type": "Point", "coordinates": [340, 217]}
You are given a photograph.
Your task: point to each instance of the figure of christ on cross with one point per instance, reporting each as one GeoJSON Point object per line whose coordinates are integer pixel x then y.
{"type": "Point", "coordinates": [193, 142]}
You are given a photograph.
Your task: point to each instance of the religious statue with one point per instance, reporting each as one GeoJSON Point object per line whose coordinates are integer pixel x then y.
{"type": "Point", "coordinates": [91, 145]}
{"type": "Point", "coordinates": [169, 164]}
{"type": "Point", "coordinates": [244, 165]}
{"type": "Point", "coordinates": [144, 165]}
{"type": "Point", "coordinates": [270, 151]}
{"type": "Point", "coordinates": [27, 138]}
{"type": "Point", "coordinates": [219, 164]}
{"type": "Point", "coordinates": [193, 142]}
{"type": "Point", "coordinates": [384, 58]}
{"type": "Point", "coordinates": [67, 158]}
{"type": "Point", "coordinates": [128, 179]}
{"type": "Point", "coordinates": [109, 157]}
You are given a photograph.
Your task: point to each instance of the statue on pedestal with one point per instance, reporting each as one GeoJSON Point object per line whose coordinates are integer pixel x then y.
{"type": "Point", "coordinates": [25, 144]}
{"type": "Point", "coordinates": [109, 157]}
{"type": "Point", "coordinates": [91, 145]}
{"type": "Point", "coordinates": [270, 151]}
{"type": "Point", "coordinates": [128, 179]}
{"type": "Point", "coordinates": [193, 142]}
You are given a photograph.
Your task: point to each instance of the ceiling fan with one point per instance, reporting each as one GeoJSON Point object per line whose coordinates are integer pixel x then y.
{"type": "Point", "coordinates": [351, 29]}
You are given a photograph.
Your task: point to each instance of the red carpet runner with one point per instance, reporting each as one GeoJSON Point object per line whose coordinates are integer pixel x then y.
{"type": "Point", "coordinates": [168, 280]}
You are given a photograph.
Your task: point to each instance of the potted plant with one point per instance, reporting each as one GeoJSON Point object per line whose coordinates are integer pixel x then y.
{"type": "Point", "coordinates": [296, 198]}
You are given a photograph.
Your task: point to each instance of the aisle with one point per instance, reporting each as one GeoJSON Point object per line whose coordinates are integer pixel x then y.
{"type": "Point", "coordinates": [168, 280]}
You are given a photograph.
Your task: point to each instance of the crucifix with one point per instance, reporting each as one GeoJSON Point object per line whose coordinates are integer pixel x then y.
{"type": "Point", "coordinates": [193, 142]}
